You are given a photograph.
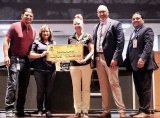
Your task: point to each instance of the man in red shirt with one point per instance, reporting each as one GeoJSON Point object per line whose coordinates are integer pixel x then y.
{"type": "Point", "coordinates": [16, 46]}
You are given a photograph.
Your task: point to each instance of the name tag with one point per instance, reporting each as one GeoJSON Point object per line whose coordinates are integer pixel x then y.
{"type": "Point", "coordinates": [18, 66]}
{"type": "Point", "coordinates": [134, 43]}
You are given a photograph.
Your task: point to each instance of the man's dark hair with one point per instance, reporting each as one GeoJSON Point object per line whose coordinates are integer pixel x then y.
{"type": "Point", "coordinates": [27, 9]}
{"type": "Point", "coordinates": [139, 13]}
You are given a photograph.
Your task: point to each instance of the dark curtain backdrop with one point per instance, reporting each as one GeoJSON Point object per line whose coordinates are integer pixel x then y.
{"type": "Point", "coordinates": [66, 9]}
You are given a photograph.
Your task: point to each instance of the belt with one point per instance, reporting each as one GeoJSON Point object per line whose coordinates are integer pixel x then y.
{"type": "Point", "coordinates": [99, 53]}
{"type": "Point", "coordinates": [20, 57]}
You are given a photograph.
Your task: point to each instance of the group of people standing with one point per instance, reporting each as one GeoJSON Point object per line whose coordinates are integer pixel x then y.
{"type": "Point", "coordinates": [105, 46]}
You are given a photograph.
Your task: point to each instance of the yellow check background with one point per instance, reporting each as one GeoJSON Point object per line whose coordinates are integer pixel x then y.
{"type": "Point", "coordinates": [65, 52]}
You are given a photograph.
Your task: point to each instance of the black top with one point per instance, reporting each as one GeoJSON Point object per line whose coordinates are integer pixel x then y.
{"type": "Point", "coordinates": [85, 40]}
{"type": "Point", "coordinates": [41, 64]}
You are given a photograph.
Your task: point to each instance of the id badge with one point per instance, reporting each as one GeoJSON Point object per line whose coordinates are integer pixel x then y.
{"type": "Point", "coordinates": [134, 43]}
{"type": "Point", "coordinates": [18, 66]}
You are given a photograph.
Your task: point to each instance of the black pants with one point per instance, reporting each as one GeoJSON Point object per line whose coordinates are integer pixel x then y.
{"type": "Point", "coordinates": [143, 82]}
{"type": "Point", "coordinates": [20, 78]}
{"type": "Point", "coordinates": [44, 81]}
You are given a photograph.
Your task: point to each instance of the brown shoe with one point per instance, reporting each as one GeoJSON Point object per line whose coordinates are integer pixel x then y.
{"type": "Point", "coordinates": [105, 115]}
{"type": "Point", "coordinates": [77, 115]}
{"type": "Point", "coordinates": [85, 115]}
{"type": "Point", "coordinates": [134, 114]}
{"type": "Point", "coordinates": [122, 115]}
{"type": "Point", "coordinates": [40, 113]}
{"type": "Point", "coordinates": [141, 115]}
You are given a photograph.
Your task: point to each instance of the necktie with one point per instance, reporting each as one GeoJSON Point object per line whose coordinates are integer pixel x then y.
{"type": "Point", "coordinates": [100, 38]}
{"type": "Point", "coordinates": [134, 34]}
{"type": "Point", "coordinates": [132, 38]}
{"type": "Point", "coordinates": [101, 29]}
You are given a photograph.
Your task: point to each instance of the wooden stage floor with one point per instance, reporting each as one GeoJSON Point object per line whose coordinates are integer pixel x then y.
{"type": "Point", "coordinates": [114, 115]}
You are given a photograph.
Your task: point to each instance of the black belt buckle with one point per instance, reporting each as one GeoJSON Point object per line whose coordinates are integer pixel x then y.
{"type": "Point", "coordinates": [99, 53]}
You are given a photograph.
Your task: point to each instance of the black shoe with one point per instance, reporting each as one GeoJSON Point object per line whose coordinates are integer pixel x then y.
{"type": "Point", "coordinates": [22, 114]}
{"type": "Point", "coordinates": [105, 115]}
{"type": "Point", "coordinates": [49, 114]}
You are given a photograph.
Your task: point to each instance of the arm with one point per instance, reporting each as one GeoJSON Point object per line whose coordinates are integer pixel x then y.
{"type": "Point", "coordinates": [5, 50]}
{"type": "Point", "coordinates": [91, 51]}
{"type": "Point", "coordinates": [90, 48]}
{"type": "Point", "coordinates": [148, 46]}
{"type": "Point", "coordinates": [33, 52]}
{"type": "Point", "coordinates": [119, 35]}
{"type": "Point", "coordinates": [34, 55]}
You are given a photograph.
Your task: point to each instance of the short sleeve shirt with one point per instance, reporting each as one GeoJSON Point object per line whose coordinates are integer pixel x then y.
{"type": "Point", "coordinates": [85, 40]}
{"type": "Point", "coordinates": [42, 64]}
{"type": "Point", "coordinates": [21, 38]}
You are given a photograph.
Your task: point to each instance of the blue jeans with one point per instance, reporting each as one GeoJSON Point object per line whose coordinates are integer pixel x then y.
{"type": "Point", "coordinates": [20, 78]}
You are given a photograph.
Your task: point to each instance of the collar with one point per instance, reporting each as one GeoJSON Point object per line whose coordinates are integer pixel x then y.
{"type": "Point", "coordinates": [138, 28]}
{"type": "Point", "coordinates": [24, 27]}
{"type": "Point", "coordinates": [80, 37]}
{"type": "Point", "coordinates": [104, 22]}
{"type": "Point", "coordinates": [49, 42]}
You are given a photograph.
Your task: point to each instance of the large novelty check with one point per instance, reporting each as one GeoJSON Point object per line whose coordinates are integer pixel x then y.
{"type": "Point", "coordinates": [65, 52]}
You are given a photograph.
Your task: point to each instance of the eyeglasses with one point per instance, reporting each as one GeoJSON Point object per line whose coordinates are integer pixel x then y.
{"type": "Point", "coordinates": [99, 12]}
{"type": "Point", "coordinates": [137, 18]}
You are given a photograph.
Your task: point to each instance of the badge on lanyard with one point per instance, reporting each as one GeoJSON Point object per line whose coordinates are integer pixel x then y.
{"type": "Point", "coordinates": [18, 64]}
{"type": "Point", "coordinates": [135, 43]}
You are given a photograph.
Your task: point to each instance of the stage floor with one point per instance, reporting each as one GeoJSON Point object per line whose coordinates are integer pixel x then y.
{"type": "Point", "coordinates": [114, 115]}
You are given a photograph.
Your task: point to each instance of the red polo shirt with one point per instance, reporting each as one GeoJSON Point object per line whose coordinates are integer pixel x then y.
{"type": "Point", "coordinates": [21, 38]}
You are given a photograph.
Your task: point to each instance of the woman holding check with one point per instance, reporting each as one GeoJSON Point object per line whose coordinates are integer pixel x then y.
{"type": "Point", "coordinates": [44, 71]}
{"type": "Point", "coordinates": [80, 70]}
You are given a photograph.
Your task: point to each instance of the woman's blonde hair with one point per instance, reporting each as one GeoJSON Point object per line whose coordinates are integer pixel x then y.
{"type": "Point", "coordinates": [77, 20]}
{"type": "Point", "coordinates": [79, 16]}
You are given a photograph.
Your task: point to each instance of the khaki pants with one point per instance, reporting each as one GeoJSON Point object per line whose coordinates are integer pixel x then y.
{"type": "Point", "coordinates": [81, 80]}
{"type": "Point", "coordinates": [109, 79]}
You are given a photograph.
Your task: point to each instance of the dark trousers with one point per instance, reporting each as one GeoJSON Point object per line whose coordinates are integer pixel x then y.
{"type": "Point", "coordinates": [20, 78]}
{"type": "Point", "coordinates": [44, 81]}
{"type": "Point", "coordinates": [143, 81]}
